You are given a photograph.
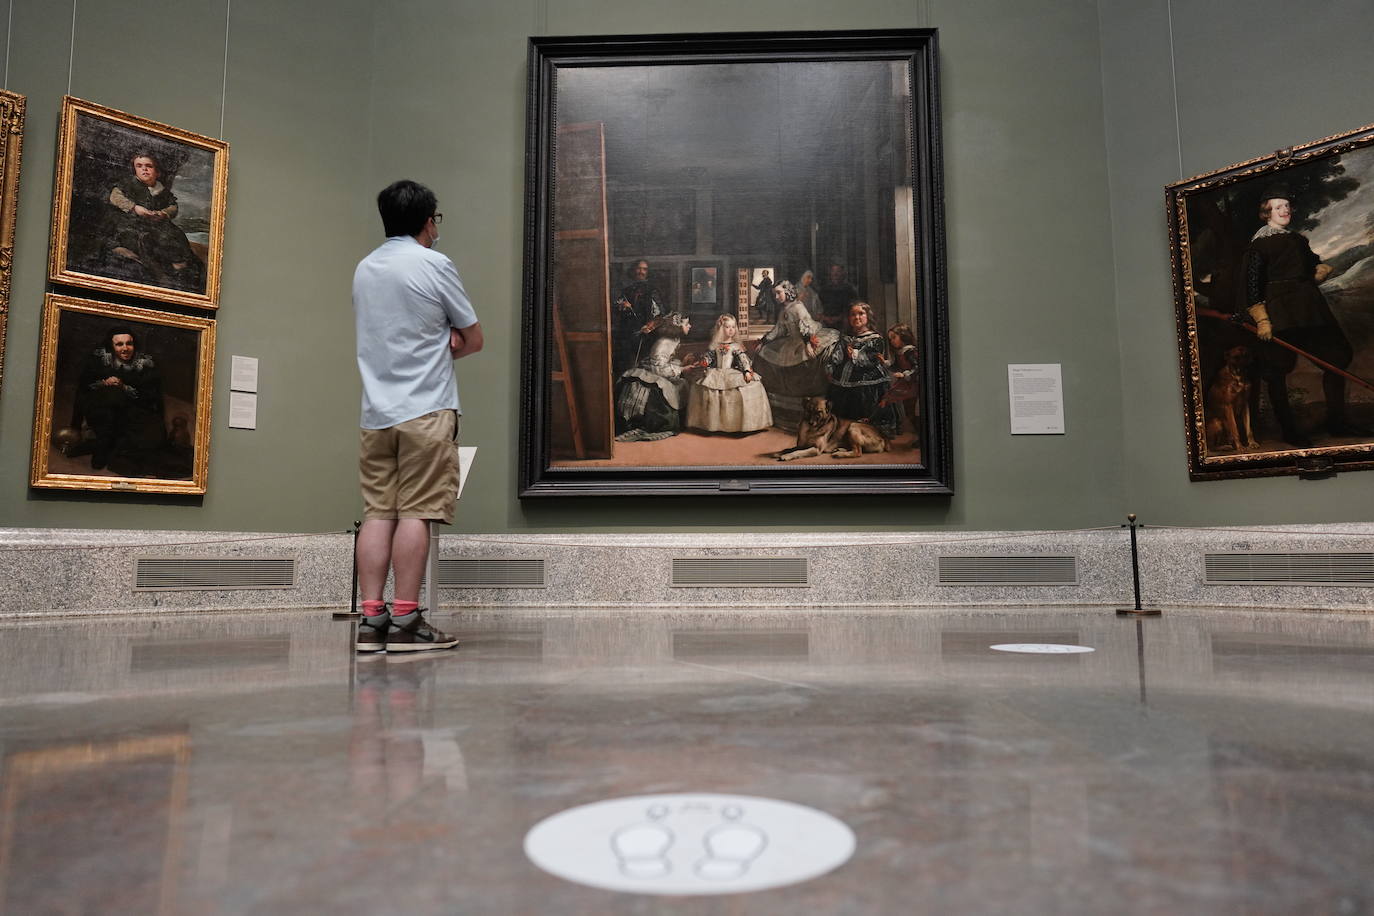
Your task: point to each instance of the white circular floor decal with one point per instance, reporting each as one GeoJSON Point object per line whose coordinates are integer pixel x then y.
{"type": "Point", "coordinates": [1041, 648]}
{"type": "Point", "coordinates": [689, 844]}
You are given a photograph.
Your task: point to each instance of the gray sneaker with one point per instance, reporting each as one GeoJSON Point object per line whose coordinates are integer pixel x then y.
{"type": "Point", "coordinates": [372, 633]}
{"type": "Point", "coordinates": [417, 635]}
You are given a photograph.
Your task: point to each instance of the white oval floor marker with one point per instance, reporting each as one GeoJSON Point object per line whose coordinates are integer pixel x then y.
{"type": "Point", "coordinates": [1042, 648]}
{"type": "Point", "coordinates": [689, 844]}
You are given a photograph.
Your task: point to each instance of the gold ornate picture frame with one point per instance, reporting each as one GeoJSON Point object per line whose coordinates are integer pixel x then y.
{"type": "Point", "coordinates": [124, 398]}
{"type": "Point", "coordinates": [138, 207]}
{"type": "Point", "coordinates": [1293, 393]}
{"type": "Point", "coordinates": [11, 150]}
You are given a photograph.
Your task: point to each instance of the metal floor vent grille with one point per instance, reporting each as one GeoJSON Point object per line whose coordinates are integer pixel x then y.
{"type": "Point", "coordinates": [741, 572]}
{"type": "Point", "coordinates": [1013, 570]}
{"type": "Point", "coordinates": [1244, 568]}
{"type": "Point", "coordinates": [217, 573]}
{"type": "Point", "coordinates": [492, 572]}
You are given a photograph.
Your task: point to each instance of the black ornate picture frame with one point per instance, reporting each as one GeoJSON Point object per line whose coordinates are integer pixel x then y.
{"type": "Point", "coordinates": [816, 152]}
{"type": "Point", "coordinates": [1274, 306]}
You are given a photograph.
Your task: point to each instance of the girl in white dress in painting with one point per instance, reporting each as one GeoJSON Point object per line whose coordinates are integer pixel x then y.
{"type": "Point", "coordinates": [727, 397]}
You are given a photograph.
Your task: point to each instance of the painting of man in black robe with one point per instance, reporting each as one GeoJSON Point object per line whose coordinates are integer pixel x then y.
{"type": "Point", "coordinates": [123, 399]}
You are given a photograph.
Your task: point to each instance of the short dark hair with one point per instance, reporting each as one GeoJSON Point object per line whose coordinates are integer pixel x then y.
{"type": "Point", "coordinates": [1266, 209]}
{"type": "Point", "coordinates": [144, 154]}
{"type": "Point", "coordinates": [121, 329]}
{"type": "Point", "coordinates": [405, 206]}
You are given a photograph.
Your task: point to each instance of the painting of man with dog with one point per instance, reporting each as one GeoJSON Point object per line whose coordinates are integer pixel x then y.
{"type": "Point", "coordinates": [1274, 275]}
{"type": "Point", "coordinates": [733, 373]}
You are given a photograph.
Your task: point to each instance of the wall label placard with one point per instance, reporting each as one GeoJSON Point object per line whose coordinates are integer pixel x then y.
{"type": "Point", "coordinates": [1036, 393]}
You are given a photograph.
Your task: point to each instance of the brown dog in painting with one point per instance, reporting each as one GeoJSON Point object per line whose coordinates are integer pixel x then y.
{"type": "Point", "coordinates": [1228, 404]}
{"type": "Point", "coordinates": [823, 433]}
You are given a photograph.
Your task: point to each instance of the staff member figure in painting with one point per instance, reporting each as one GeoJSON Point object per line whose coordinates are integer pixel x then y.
{"type": "Point", "coordinates": [766, 302]}
{"type": "Point", "coordinates": [632, 316]}
{"type": "Point", "coordinates": [807, 295]}
{"type": "Point", "coordinates": [119, 400]}
{"type": "Point", "coordinates": [859, 376]}
{"type": "Point", "coordinates": [727, 396]}
{"type": "Point", "coordinates": [1280, 274]}
{"type": "Point", "coordinates": [837, 295]}
{"type": "Point", "coordinates": [145, 244]}
{"type": "Point", "coordinates": [649, 397]}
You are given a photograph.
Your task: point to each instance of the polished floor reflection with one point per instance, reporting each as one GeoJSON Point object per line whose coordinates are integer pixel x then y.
{"type": "Point", "coordinates": [1205, 762]}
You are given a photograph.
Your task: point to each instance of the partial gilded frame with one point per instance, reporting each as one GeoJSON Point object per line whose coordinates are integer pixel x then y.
{"type": "Point", "coordinates": [40, 474]}
{"type": "Point", "coordinates": [11, 150]}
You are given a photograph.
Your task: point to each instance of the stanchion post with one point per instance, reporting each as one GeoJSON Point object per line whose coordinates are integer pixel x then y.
{"type": "Point", "coordinates": [353, 596]}
{"type": "Point", "coordinates": [1136, 611]}
{"type": "Point", "coordinates": [432, 569]}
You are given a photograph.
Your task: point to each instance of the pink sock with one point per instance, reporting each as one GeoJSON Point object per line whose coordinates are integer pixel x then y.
{"type": "Point", "coordinates": [374, 608]}
{"type": "Point", "coordinates": [401, 608]}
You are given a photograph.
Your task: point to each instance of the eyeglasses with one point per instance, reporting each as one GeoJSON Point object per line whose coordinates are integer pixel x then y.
{"type": "Point", "coordinates": [438, 218]}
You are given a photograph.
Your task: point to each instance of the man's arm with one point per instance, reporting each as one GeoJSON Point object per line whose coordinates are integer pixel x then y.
{"type": "Point", "coordinates": [465, 341]}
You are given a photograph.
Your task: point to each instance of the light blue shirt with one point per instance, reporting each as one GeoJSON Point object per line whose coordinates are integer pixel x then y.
{"type": "Point", "coordinates": [405, 299]}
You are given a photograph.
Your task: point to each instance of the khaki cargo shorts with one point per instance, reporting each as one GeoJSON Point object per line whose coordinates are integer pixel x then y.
{"type": "Point", "coordinates": [410, 470]}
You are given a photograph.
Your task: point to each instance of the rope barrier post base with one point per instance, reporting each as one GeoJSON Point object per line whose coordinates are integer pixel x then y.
{"type": "Point", "coordinates": [1138, 610]}
{"type": "Point", "coordinates": [352, 611]}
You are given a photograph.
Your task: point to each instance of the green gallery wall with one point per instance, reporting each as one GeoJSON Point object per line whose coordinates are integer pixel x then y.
{"type": "Point", "coordinates": [1060, 131]}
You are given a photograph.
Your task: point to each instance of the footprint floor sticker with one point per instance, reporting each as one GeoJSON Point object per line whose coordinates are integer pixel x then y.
{"type": "Point", "coordinates": [689, 844]}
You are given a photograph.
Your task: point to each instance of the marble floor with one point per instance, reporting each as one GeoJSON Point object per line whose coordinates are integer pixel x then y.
{"type": "Point", "coordinates": [1203, 762]}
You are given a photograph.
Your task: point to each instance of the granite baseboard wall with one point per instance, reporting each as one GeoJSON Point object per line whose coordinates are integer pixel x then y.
{"type": "Point", "coordinates": [92, 572]}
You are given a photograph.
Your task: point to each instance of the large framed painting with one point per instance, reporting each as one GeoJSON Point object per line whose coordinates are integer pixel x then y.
{"type": "Point", "coordinates": [138, 207]}
{"type": "Point", "coordinates": [123, 399]}
{"type": "Point", "coordinates": [11, 148]}
{"type": "Point", "coordinates": [1273, 263]}
{"type": "Point", "coordinates": [735, 266]}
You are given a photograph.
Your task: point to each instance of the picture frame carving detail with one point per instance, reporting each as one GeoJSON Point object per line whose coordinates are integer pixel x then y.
{"type": "Point", "coordinates": [1273, 269]}
{"type": "Point", "coordinates": [138, 207]}
{"type": "Point", "coordinates": [663, 175]}
{"type": "Point", "coordinates": [12, 106]}
{"type": "Point", "coordinates": [124, 399]}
